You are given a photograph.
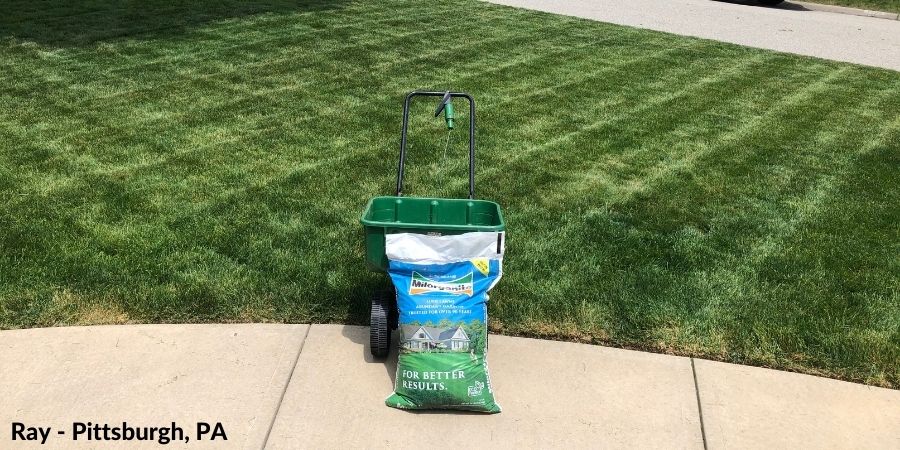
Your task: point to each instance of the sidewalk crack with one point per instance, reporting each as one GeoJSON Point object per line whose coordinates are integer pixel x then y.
{"type": "Point", "coordinates": [265, 442]}
{"type": "Point", "coordinates": [699, 405]}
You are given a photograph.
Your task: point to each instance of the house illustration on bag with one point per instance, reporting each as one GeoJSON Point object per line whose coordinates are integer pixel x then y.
{"type": "Point", "coordinates": [420, 338]}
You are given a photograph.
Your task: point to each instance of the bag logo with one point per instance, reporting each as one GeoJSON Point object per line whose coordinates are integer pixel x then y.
{"type": "Point", "coordinates": [421, 284]}
{"type": "Point", "coordinates": [482, 265]}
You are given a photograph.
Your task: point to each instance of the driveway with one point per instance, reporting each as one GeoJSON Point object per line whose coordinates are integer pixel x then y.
{"type": "Point", "coordinates": [790, 28]}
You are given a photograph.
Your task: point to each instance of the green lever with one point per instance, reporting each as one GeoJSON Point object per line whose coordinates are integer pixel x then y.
{"type": "Point", "coordinates": [447, 107]}
{"type": "Point", "coordinates": [448, 115]}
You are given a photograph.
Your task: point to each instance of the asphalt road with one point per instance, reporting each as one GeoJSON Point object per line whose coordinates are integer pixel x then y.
{"type": "Point", "coordinates": [790, 28]}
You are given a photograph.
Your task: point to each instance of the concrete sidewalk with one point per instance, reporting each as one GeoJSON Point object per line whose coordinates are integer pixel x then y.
{"type": "Point", "coordinates": [299, 386]}
{"type": "Point", "coordinates": [792, 28]}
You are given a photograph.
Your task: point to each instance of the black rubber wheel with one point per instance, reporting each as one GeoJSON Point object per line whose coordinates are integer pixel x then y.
{"type": "Point", "coordinates": [379, 331]}
{"type": "Point", "coordinates": [393, 312]}
{"type": "Point", "coordinates": [770, 2]}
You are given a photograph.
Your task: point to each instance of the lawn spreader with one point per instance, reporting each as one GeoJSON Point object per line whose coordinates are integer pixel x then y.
{"type": "Point", "coordinates": [430, 216]}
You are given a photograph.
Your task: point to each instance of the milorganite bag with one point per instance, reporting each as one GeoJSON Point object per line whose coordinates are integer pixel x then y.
{"type": "Point", "coordinates": [442, 284]}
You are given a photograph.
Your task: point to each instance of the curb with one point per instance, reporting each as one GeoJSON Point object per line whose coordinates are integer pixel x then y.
{"type": "Point", "coordinates": [847, 10]}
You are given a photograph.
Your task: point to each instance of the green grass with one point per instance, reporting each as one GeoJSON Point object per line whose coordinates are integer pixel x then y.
{"type": "Point", "coordinates": [208, 161]}
{"type": "Point", "coordinates": [873, 5]}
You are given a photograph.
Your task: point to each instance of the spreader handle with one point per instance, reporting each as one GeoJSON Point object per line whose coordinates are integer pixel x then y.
{"type": "Point", "coordinates": [406, 127]}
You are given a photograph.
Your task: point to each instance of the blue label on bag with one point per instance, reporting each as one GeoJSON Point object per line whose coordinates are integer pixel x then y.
{"type": "Point", "coordinates": [453, 292]}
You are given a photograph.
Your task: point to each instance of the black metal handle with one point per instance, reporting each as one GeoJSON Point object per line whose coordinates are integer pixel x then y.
{"type": "Point", "coordinates": [405, 128]}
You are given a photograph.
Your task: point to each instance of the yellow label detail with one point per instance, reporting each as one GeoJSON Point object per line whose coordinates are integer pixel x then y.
{"type": "Point", "coordinates": [482, 265]}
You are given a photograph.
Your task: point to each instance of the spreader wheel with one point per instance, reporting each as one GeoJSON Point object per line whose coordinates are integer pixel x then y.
{"type": "Point", "coordinates": [379, 331]}
{"type": "Point", "coordinates": [393, 312]}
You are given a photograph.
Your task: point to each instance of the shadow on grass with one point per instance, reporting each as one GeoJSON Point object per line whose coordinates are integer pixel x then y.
{"type": "Point", "coordinates": [80, 23]}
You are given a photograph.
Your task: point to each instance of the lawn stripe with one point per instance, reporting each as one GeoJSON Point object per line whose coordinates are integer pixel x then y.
{"type": "Point", "coordinates": [279, 36]}
{"type": "Point", "coordinates": [243, 67]}
{"type": "Point", "coordinates": [557, 307]}
{"type": "Point", "coordinates": [814, 201]}
{"type": "Point", "coordinates": [732, 139]}
{"type": "Point", "coordinates": [116, 72]}
{"type": "Point", "coordinates": [227, 103]}
{"type": "Point", "coordinates": [796, 216]}
{"type": "Point", "coordinates": [523, 157]}
{"type": "Point", "coordinates": [146, 31]}
{"type": "Point", "coordinates": [529, 114]}
{"type": "Point", "coordinates": [594, 173]}
{"type": "Point", "coordinates": [790, 211]}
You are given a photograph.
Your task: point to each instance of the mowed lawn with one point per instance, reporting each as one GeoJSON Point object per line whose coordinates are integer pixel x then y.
{"type": "Point", "coordinates": [874, 5]}
{"type": "Point", "coordinates": [208, 162]}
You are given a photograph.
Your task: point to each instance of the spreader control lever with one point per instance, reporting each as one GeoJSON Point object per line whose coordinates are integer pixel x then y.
{"type": "Point", "coordinates": [446, 106]}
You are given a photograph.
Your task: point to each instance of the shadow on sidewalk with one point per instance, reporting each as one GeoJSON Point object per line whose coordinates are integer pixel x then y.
{"type": "Point", "coordinates": [360, 335]}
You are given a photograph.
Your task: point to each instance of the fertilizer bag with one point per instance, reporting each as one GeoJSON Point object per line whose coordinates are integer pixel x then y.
{"type": "Point", "coordinates": [442, 284]}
